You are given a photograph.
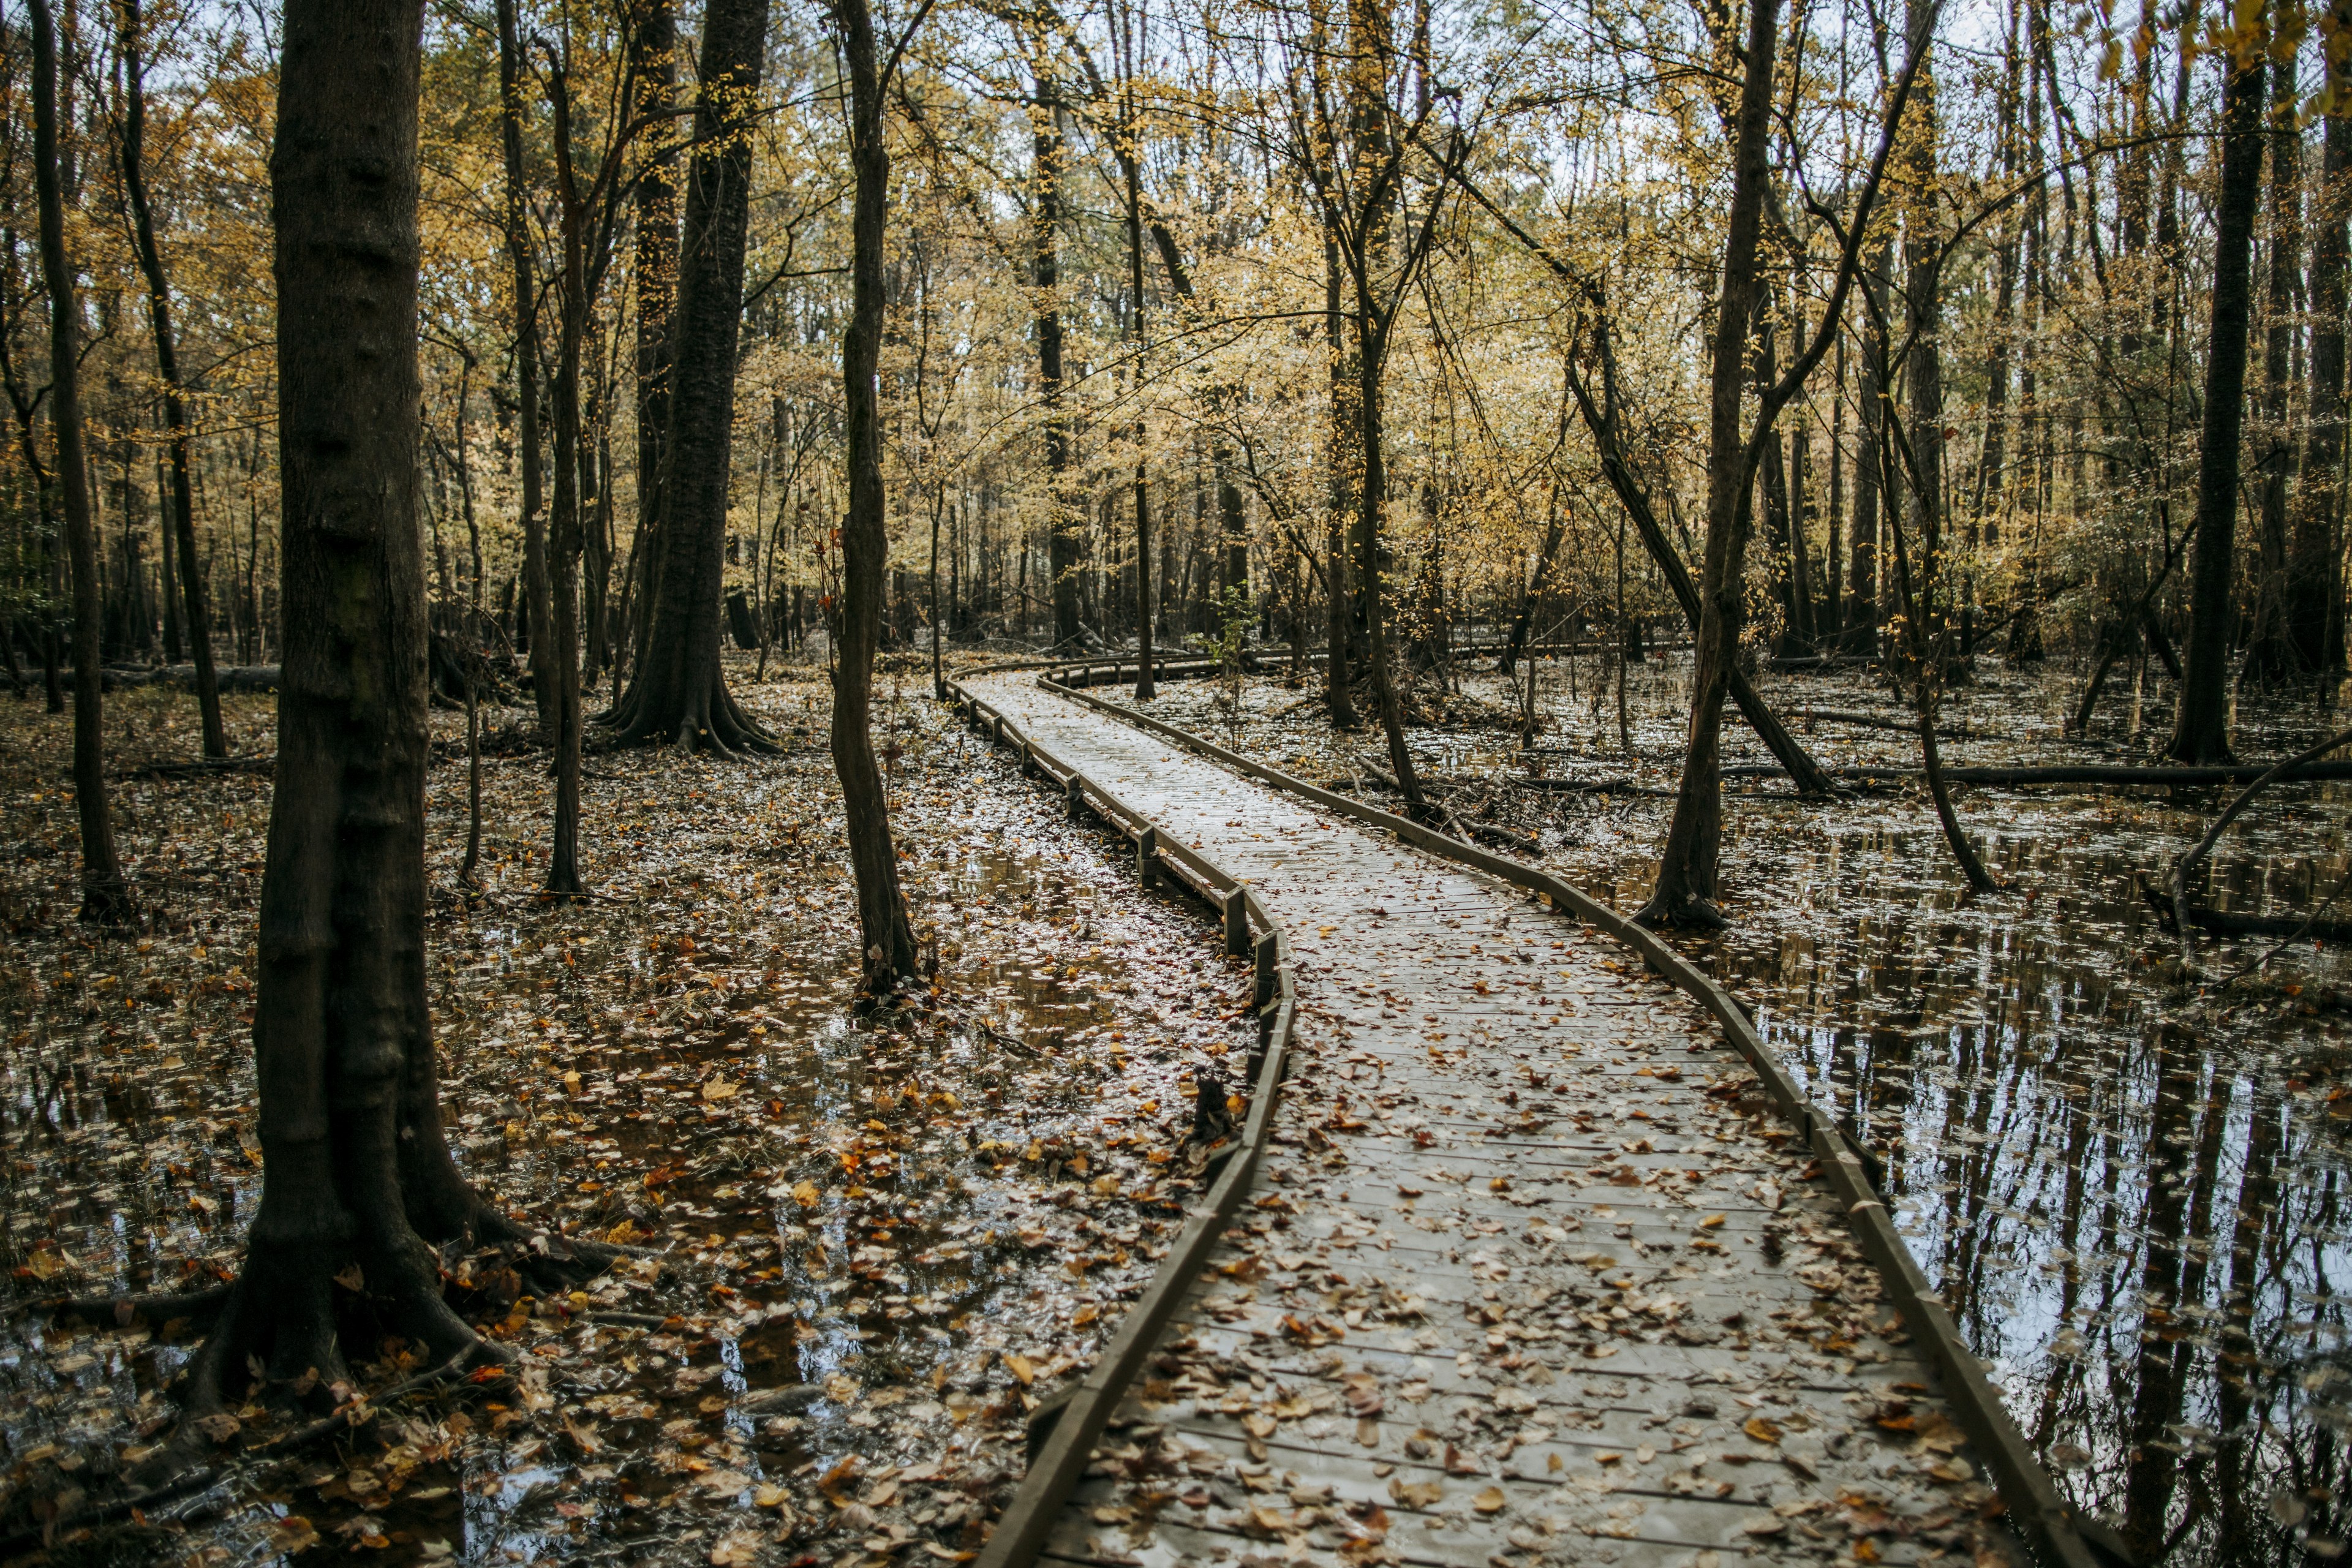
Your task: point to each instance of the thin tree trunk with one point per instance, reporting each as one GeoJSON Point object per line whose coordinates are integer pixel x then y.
{"type": "Point", "coordinates": [183, 521]}
{"type": "Point", "coordinates": [1131, 159]}
{"type": "Point", "coordinates": [1685, 889]}
{"type": "Point", "coordinates": [545, 683]}
{"type": "Point", "coordinates": [886, 939]}
{"type": "Point", "coordinates": [563, 852]}
{"type": "Point", "coordinates": [2273, 653]}
{"type": "Point", "coordinates": [2201, 727]}
{"type": "Point", "coordinates": [105, 895]}
{"type": "Point", "coordinates": [2310, 552]}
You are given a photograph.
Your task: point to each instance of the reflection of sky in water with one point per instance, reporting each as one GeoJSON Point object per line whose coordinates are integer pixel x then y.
{"type": "Point", "coordinates": [2129, 1206]}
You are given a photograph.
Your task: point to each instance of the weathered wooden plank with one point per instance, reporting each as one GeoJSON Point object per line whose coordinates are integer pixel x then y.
{"type": "Point", "coordinates": [1439, 995]}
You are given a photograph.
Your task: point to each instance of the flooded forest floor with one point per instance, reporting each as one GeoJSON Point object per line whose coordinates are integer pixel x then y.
{"type": "Point", "coordinates": [881, 1238]}
{"type": "Point", "coordinates": [2130, 1191]}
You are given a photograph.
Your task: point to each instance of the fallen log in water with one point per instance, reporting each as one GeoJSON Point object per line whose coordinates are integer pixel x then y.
{"type": "Point", "coordinates": [2070, 773]}
{"type": "Point", "coordinates": [2230, 922]}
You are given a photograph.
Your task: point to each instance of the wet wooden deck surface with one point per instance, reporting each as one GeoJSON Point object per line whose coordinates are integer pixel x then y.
{"type": "Point", "coordinates": [1528, 1277]}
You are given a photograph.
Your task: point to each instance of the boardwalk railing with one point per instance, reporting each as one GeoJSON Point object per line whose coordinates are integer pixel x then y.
{"type": "Point", "coordinates": [2058, 1534]}
{"type": "Point", "coordinates": [1064, 1431]}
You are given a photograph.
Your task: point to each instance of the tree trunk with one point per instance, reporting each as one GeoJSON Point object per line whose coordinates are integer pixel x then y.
{"type": "Point", "coordinates": [2201, 727]}
{"type": "Point", "coordinates": [886, 940]}
{"type": "Point", "coordinates": [356, 1171]}
{"type": "Point", "coordinates": [680, 690]}
{"type": "Point", "coordinates": [1065, 526]}
{"type": "Point", "coordinates": [545, 683]}
{"type": "Point", "coordinates": [1685, 889]}
{"type": "Point", "coordinates": [183, 521]}
{"type": "Point", "coordinates": [1339, 462]}
{"type": "Point", "coordinates": [105, 896]}
{"type": "Point", "coordinates": [572, 313]}
{"type": "Point", "coordinates": [2274, 653]}
{"type": "Point", "coordinates": [1129, 160]}
{"type": "Point", "coordinates": [1370, 46]}
{"type": "Point", "coordinates": [1862, 585]}
{"type": "Point", "coordinates": [652, 58]}
{"type": "Point", "coordinates": [2311, 551]}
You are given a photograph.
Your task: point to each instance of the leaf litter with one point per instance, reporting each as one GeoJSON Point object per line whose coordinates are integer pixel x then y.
{"type": "Point", "coordinates": [879, 1242]}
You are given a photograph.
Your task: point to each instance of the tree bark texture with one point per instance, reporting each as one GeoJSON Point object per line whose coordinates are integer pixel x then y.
{"type": "Point", "coordinates": [886, 937]}
{"type": "Point", "coordinates": [105, 895]}
{"type": "Point", "coordinates": [653, 57]}
{"type": "Point", "coordinates": [2200, 725]}
{"type": "Point", "coordinates": [183, 521]}
{"type": "Point", "coordinates": [2319, 499]}
{"type": "Point", "coordinates": [680, 692]}
{"type": "Point", "coordinates": [1685, 889]}
{"type": "Point", "coordinates": [1064, 518]}
{"type": "Point", "coordinates": [356, 1171]}
{"type": "Point", "coordinates": [537, 612]}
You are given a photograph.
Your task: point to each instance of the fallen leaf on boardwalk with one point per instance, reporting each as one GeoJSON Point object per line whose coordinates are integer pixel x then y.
{"type": "Point", "coordinates": [1415, 1494]}
{"type": "Point", "coordinates": [1938, 1433]}
{"type": "Point", "coordinates": [1762, 1430]}
{"type": "Point", "coordinates": [1953, 1470]}
{"type": "Point", "coordinates": [1490, 1500]}
{"type": "Point", "coordinates": [1363, 1394]}
{"type": "Point", "coordinates": [1258, 1425]}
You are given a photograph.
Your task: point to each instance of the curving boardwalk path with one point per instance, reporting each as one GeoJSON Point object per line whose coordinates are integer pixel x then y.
{"type": "Point", "coordinates": [1525, 1278]}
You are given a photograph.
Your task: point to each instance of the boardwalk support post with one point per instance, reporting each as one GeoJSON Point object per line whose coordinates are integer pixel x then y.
{"type": "Point", "coordinates": [1262, 990]}
{"type": "Point", "coordinates": [1076, 790]}
{"type": "Point", "coordinates": [1147, 857]}
{"type": "Point", "coordinates": [1237, 942]}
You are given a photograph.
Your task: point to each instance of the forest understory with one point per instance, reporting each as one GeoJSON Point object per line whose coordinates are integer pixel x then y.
{"type": "Point", "coordinates": [872, 1241]}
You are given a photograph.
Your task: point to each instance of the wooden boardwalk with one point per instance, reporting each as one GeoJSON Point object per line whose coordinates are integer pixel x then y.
{"type": "Point", "coordinates": [1529, 1276]}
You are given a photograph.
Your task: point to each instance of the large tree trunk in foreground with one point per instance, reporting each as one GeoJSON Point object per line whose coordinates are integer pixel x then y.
{"type": "Point", "coordinates": [167, 364]}
{"type": "Point", "coordinates": [885, 938]}
{"type": "Point", "coordinates": [355, 1168]}
{"type": "Point", "coordinates": [105, 896]}
{"type": "Point", "coordinates": [1685, 889]}
{"type": "Point", "coordinates": [2201, 731]}
{"type": "Point", "coordinates": [680, 692]}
